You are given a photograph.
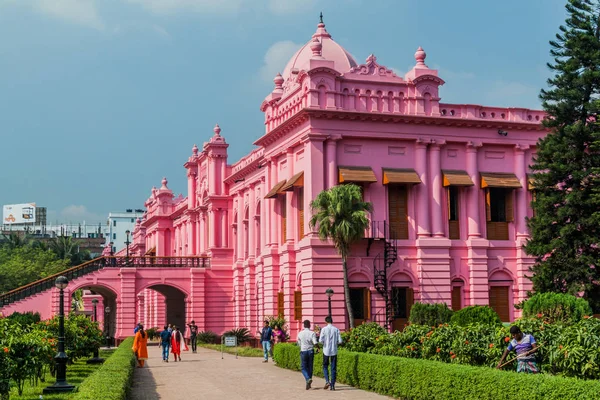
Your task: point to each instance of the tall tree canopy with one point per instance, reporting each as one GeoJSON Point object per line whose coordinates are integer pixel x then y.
{"type": "Point", "coordinates": [565, 231]}
{"type": "Point", "coordinates": [340, 215]}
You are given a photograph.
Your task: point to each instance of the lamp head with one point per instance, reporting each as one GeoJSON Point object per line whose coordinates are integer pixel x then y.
{"type": "Point", "coordinates": [107, 309]}
{"type": "Point", "coordinates": [61, 282]}
{"type": "Point", "coordinates": [94, 301]}
{"type": "Point", "coordinates": [127, 232]}
{"type": "Point", "coordinates": [329, 292]}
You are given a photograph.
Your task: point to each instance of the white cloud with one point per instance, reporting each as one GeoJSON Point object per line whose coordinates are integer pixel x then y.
{"type": "Point", "coordinates": [170, 6]}
{"type": "Point", "coordinates": [75, 213]}
{"type": "Point", "coordinates": [290, 6]}
{"type": "Point", "coordinates": [82, 12]}
{"type": "Point", "coordinates": [276, 58]}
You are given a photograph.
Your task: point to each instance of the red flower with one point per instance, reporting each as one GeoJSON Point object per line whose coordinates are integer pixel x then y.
{"type": "Point", "coordinates": [466, 342]}
{"type": "Point", "coordinates": [6, 349]}
{"type": "Point", "coordinates": [451, 352]}
{"type": "Point", "coordinates": [560, 347]}
{"type": "Point", "coordinates": [491, 345]}
{"type": "Point", "coordinates": [586, 316]}
{"type": "Point", "coordinates": [438, 350]}
{"type": "Point", "coordinates": [453, 356]}
{"type": "Point", "coordinates": [408, 347]}
{"type": "Point", "coordinates": [540, 315]}
{"type": "Point", "coordinates": [507, 339]}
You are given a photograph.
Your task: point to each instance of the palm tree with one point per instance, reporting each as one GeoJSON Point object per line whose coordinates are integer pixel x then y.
{"type": "Point", "coordinates": [14, 241]}
{"type": "Point", "coordinates": [64, 247]}
{"type": "Point", "coordinates": [340, 215]}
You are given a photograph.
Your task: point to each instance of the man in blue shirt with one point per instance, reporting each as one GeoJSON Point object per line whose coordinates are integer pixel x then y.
{"type": "Point", "coordinates": [265, 338]}
{"type": "Point", "coordinates": [330, 337]}
{"type": "Point", "coordinates": [165, 342]}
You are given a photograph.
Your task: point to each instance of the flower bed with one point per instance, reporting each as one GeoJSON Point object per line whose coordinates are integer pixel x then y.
{"type": "Point", "coordinates": [567, 350]}
{"type": "Point", "coordinates": [429, 380]}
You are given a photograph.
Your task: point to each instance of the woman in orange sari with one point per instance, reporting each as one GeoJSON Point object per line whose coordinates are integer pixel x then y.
{"type": "Point", "coordinates": [140, 346]}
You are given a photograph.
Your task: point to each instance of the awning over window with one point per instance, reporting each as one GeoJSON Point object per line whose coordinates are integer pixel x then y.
{"type": "Point", "coordinates": [402, 175]}
{"type": "Point", "coordinates": [530, 182]}
{"type": "Point", "coordinates": [356, 174]}
{"type": "Point", "coordinates": [276, 190]}
{"type": "Point", "coordinates": [294, 182]}
{"type": "Point", "coordinates": [499, 180]}
{"type": "Point", "coordinates": [151, 251]}
{"type": "Point", "coordinates": [456, 178]}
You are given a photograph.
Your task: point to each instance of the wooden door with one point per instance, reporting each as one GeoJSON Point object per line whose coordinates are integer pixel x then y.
{"type": "Point", "coordinates": [360, 299]}
{"type": "Point", "coordinates": [499, 301]}
{"type": "Point", "coordinates": [402, 302]}
{"type": "Point", "coordinates": [456, 298]}
{"type": "Point", "coordinates": [398, 210]}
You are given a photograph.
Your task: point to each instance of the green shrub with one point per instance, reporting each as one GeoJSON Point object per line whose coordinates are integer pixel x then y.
{"type": "Point", "coordinates": [25, 319]}
{"type": "Point", "coordinates": [153, 333]}
{"type": "Point", "coordinates": [242, 334]}
{"type": "Point", "coordinates": [474, 315]}
{"type": "Point", "coordinates": [429, 380]}
{"type": "Point", "coordinates": [430, 314]}
{"type": "Point", "coordinates": [363, 337]}
{"type": "Point", "coordinates": [112, 380]}
{"type": "Point", "coordinates": [556, 307]}
{"type": "Point", "coordinates": [207, 337]}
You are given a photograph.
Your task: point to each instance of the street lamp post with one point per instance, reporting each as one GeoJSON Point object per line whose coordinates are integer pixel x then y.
{"type": "Point", "coordinates": [107, 325]}
{"type": "Point", "coordinates": [127, 243]}
{"type": "Point", "coordinates": [96, 359]}
{"type": "Point", "coordinates": [61, 358]}
{"type": "Point", "coordinates": [329, 293]}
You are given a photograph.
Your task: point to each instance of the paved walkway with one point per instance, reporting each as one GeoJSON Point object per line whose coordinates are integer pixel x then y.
{"type": "Point", "coordinates": [206, 376]}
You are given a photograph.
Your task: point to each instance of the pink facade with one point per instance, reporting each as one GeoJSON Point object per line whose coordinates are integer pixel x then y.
{"type": "Point", "coordinates": [459, 186]}
{"type": "Point", "coordinates": [448, 183]}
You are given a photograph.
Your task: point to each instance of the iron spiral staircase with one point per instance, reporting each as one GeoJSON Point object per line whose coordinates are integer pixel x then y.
{"type": "Point", "coordinates": [383, 261]}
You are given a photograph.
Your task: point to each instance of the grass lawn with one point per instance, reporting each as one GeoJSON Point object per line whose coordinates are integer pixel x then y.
{"type": "Point", "coordinates": [242, 351]}
{"type": "Point", "coordinates": [76, 373]}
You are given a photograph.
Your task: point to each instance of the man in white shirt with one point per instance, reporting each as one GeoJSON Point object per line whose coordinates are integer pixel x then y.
{"type": "Point", "coordinates": [306, 341]}
{"type": "Point", "coordinates": [330, 337]}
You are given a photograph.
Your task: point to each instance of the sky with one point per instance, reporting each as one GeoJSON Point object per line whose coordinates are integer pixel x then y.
{"type": "Point", "coordinates": [99, 99]}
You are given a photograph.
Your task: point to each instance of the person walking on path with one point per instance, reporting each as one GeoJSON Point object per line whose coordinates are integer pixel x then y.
{"type": "Point", "coordinates": [524, 346]}
{"type": "Point", "coordinates": [165, 343]}
{"type": "Point", "coordinates": [177, 343]}
{"type": "Point", "coordinates": [140, 346]}
{"type": "Point", "coordinates": [265, 339]}
{"type": "Point", "coordinates": [306, 341]}
{"type": "Point", "coordinates": [137, 328]}
{"type": "Point", "coordinates": [330, 337]}
{"type": "Point", "coordinates": [193, 335]}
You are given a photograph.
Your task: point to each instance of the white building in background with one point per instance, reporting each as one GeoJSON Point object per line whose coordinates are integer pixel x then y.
{"type": "Point", "coordinates": [118, 224]}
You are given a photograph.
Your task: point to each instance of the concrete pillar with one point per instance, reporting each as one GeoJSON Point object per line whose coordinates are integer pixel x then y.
{"type": "Point", "coordinates": [435, 172]}
{"type": "Point", "coordinates": [472, 192]}
{"type": "Point", "coordinates": [423, 229]}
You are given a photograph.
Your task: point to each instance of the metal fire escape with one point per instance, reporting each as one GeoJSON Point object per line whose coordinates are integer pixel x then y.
{"type": "Point", "coordinates": [381, 231]}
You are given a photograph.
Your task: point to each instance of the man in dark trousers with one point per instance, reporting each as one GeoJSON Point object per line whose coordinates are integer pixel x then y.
{"type": "Point", "coordinates": [266, 336]}
{"type": "Point", "coordinates": [165, 343]}
{"type": "Point", "coordinates": [307, 340]}
{"type": "Point", "coordinates": [193, 335]}
{"type": "Point", "coordinates": [330, 337]}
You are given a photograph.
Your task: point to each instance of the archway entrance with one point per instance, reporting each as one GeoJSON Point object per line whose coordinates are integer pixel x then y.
{"type": "Point", "coordinates": [105, 301]}
{"type": "Point", "coordinates": [159, 305]}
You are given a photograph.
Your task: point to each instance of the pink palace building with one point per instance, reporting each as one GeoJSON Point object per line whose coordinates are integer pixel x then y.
{"type": "Point", "coordinates": [448, 183]}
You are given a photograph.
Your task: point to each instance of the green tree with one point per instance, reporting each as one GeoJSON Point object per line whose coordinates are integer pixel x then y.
{"type": "Point", "coordinates": [66, 247]}
{"type": "Point", "coordinates": [340, 215]}
{"type": "Point", "coordinates": [565, 231]}
{"type": "Point", "coordinates": [26, 264]}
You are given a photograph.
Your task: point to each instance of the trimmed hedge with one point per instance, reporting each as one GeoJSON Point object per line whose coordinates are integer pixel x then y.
{"type": "Point", "coordinates": [476, 315]}
{"type": "Point", "coordinates": [427, 380]}
{"type": "Point", "coordinates": [112, 380]}
{"type": "Point", "coordinates": [430, 314]}
{"type": "Point", "coordinates": [556, 307]}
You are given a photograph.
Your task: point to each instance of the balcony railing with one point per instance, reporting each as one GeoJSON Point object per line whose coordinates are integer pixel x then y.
{"type": "Point", "coordinates": [100, 263]}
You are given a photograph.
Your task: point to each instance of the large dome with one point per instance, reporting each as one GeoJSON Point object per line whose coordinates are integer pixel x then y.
{"type": "Point", "coordinates": [331, 51]}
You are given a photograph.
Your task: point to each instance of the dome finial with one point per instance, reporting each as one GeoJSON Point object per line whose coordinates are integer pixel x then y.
{"type": "Point", "coordinates": [195, 150]}
{"type": "Point", "coordinates": [164, 183]}
{"type": "Point", "coordinates": [321, 17]}
{"type": "Point", "coordinates": [316, 46]}
{"type": "Point", "coordinates": [217, 130]}
{"type": "Point", "coordinates": [278, 80]}
{"type": "Point", "coordinates": [420, 56]}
